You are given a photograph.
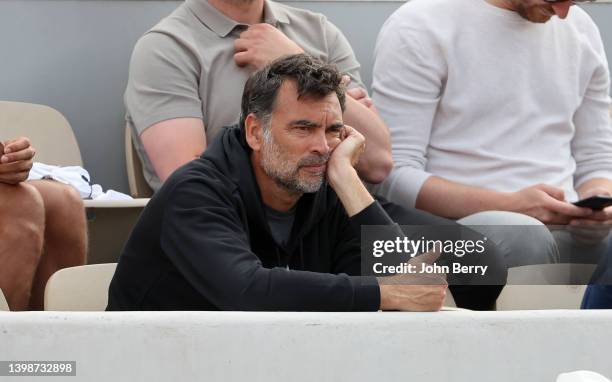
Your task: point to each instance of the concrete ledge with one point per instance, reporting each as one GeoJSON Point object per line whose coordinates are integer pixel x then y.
{"type": "Point", "coordinates": [229, 346]}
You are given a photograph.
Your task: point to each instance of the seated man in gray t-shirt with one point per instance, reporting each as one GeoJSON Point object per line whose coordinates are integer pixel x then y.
{"type": "Point", "coordinates": [187, 75]}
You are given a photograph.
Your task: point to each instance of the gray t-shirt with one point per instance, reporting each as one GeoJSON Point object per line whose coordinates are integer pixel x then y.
{"type": "Point", "coordinates": [184, 66]}
{"type": "Point", "coordinates": [280, 224]}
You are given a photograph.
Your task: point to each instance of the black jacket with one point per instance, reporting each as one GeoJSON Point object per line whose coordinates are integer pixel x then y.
{"type": "Point", "coordinates": [203, 243]}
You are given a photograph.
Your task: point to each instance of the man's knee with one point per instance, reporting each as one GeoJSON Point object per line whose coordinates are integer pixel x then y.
{"type": "Point", "coordinates": [59, 198]}
{"type": "Point", "coordinates": [499, 218]}
{"type": "Point", "coordinates": [22, 224]}
{"type": "Point", "coordinates": [66, 234]}
{"type": "Point", "coordinates": [521, 239]}
{"type": "Point", "coordinates": [73, 204]}
{"type": "Point", "coordinates": [21, 205]}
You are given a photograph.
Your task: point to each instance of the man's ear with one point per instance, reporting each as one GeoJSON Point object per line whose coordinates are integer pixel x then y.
{"type": "Point", "coordinates": [254, 132]}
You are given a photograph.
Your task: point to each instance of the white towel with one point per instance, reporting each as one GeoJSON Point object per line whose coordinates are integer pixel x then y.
{"type": "Point", "coordinates": [78, 178]}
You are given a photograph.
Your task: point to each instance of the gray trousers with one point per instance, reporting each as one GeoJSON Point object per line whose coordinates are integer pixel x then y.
{"type": "Point", "coordinates": [523, 240]}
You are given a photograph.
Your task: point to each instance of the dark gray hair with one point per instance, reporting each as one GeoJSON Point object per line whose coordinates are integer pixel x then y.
{"type": "Point", "coordinates": [312, 77]}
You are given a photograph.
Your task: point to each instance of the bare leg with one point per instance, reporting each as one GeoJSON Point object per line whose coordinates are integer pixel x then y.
{"type": "Point", "coordinates": [22, 224]}
{"type": "Point", "coordinates": [65, 234]}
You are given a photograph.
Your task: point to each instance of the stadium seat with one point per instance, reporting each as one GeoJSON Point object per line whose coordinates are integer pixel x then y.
{"type": "Point", "coordinates": [3, 304]}
{"type": "Point", "coordinates": [47, 129]}
{"type": "Point", "coordinates": [139, 188]}
{"type": "Point", "coordinates": [83, 288]}
{"type": "Point", "coordinates": [109, 222]}
{"type": "Point", "coordinates": [559, 286]}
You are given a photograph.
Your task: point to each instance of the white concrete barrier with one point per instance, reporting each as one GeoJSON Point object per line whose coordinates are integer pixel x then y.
{"type": "Point", "coordinates": [210, 346]}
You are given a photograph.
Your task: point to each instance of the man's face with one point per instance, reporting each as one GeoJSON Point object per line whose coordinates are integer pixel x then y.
{"type": "Point", "coordinates": [299, 141]}
{"type": "Point", "coordinates": [539, 11]}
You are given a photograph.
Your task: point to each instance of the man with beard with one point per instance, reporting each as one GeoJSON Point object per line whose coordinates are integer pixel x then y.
{"type": "Point", "coordinates": [187, 74]}
{"type": "Point", "coordinates": [269, 217]}
{"type": "Point", "coordinates": [499, 112]}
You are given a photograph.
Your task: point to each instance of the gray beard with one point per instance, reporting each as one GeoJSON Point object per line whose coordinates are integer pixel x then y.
{"type": "Point", "coordinates": [284, 175]}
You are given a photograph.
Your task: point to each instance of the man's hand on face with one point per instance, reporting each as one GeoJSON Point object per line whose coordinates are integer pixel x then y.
{"type": "Point", "coordinates": [416, 292]}
{"type": "Point", "coordinates": [16, 161]}
{"type": "Point", "coordinates": [346, 154]}
{"type": "Point", "coordinates": [262, 44]}
{"type": "Point", "coordinates": [547, 204]}
{"type": "Point", "coordinates": [341, 173]}
{"type": "Point", "coordinates": [596, 227]}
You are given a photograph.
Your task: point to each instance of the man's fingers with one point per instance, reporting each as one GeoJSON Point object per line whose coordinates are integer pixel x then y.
{"type": "Point", "coordinates": [601, 216]}
{"type": "Point", "coordinates": [357, 93]}
{"type": "Point", "coordinates": [567, 209]}
{"type": "Point", "coordinates": [367, 102]}
{"type": "Point", "coordinates": [15, 167]}
{"type": "Point", "coordinates": [257, 31]}
{"type": "Point", "coordinates": [353, 133]}
{"type": "Point", "coordinates": [241, 45]}
{"type": "Point", "coordinates": [21, 155]}
{"type": "Point", "coordinates": [247, 33]}
{"type": "Point", "coordinates": [346, 79]}
{"type": "Point", "coordinates": [16, 145]}
{"type": "Point", "coordinates": [14, 178]}
{"type": "Point", "coordinates": [598, 217]}
{"type": "Point", "coordinates": [242, 58]}
{"type": "Point", "coordinates": [555, 192]}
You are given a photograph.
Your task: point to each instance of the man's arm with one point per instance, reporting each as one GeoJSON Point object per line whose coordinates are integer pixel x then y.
{"type": "Point", "coordinates": [163, 102]}
{"type": "Point", "coordinates": [595, 186]}
{"type": "Point", "coordinates": [455, 200]}
{"type": "Point", "coordinates": [592, 143]}
{"type": "Point", "coordinates": [396, 293]}
{"type": "Point", "coordinates": [173, 143]}
{"type": "Point", "coordinates": [376, 162]}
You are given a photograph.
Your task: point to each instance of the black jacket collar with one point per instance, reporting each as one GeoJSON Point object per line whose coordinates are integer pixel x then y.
{"type": "Point", "coordinates": [230, 154]}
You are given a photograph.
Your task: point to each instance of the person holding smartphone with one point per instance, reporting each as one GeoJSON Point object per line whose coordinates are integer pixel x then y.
{"type": "Point", "coordinates": [508, 127]}
{"type": "Point", "coordinates": [42, 225]}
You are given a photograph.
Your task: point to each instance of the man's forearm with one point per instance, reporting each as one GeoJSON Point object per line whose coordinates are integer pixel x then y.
{"type": "Point", "coordinates": [352, 193]}
{"type": "Point", "coordinates": [376, 162]}
{"type": "Point", "coordinates": [454, 200]}
{"type": "Point", "coordinates": [595, 183]}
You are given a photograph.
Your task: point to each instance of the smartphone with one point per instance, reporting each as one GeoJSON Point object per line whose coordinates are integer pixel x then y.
{"type": "Point", "coordinates": [597, 203]}
{"type": "Point", "coordinates": [1, 149]}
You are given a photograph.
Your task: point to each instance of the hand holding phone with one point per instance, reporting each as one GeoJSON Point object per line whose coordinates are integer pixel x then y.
{"type": "Point", "coordinates": [596, 203]}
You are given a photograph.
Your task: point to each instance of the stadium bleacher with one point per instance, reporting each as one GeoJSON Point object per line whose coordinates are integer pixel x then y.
{"type": "Point", "coordinates": [524, 344]}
